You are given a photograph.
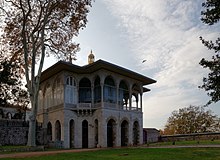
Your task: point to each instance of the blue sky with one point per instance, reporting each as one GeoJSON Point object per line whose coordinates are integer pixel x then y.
{"type": "Point", "coordinates": [166, 34]}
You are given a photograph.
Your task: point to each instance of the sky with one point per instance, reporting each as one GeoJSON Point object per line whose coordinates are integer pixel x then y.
{"type": "Point", "coordinates": [166, 35]}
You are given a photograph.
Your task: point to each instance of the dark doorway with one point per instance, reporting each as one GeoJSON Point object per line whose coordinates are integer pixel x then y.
{"type": "Point", "coordinates": [49, 132]}
{"type": "Point", "coordinates": [110, 133]}
{"type": "Point", "coordinates": [58, 131]}
{"type": "Point", "coordinates": [124, 133]}
{"type": "Point", "coordinates": [84, 134]}
{"type": "Point", "coordinates": [96, 133]}
{"type": "Point", "coordinates": [71, 134]}
{"type": "Point", "coordinates": [136, 133]}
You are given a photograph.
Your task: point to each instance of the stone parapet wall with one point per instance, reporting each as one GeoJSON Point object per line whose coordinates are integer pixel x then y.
{"type": "Point", "coordinates": [190, 137]}
{"type": "Point", "coordinates": [13, 135]}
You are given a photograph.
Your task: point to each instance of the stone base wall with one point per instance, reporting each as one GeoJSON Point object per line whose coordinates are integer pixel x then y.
{"type": "Point", "coordinates": [15, 132]}
{"type": "Point", "coordinates": [13, 135]}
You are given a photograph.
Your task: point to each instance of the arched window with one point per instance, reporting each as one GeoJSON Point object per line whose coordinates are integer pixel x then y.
{"type": "Point", "coordinates": [70, 91]}
{"type": "Point", "coordinates": [109, 90]}
{"type": "Point", "coordinates": [70, 81]}
{"type": "Point", "coordinates": [85, 91]}
{"type": "Point", "coordinates": [58, 92]}
{"type": "Point", "coordinates": [40, 101]}
{"type": "Point", "coordinates": [48, 97]}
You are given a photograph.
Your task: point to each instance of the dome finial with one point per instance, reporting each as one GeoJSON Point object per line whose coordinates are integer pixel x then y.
{"type": "Point", "coordinates": [91, 58]}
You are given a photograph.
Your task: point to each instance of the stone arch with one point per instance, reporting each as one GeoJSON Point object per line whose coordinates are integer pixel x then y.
{"type": "Point", "coordinates": [124, 133]}
{"type": "Point", "coordinates": [135, 99]}
{"type": "Point", "coordinates": [85, 95]}
{"type": "Point", "coordinates": [136, 88]}
{"type": "Point", "coordinates": [85, 139]}
{"type": "Point", "coordinates": [57, 131]}
{"type": "Point", "coordinates": [109, 90]}
{"type": "Point", "coordinates": [97, 89]}
{"type": "Point", "coordinates": [71, 132]}
{"type": "Point", "coordinates": [111, 133]}
{"type": "Point", "coordinates": [49, 132]}
{"type": "Point", "coordinates": [136, 133]}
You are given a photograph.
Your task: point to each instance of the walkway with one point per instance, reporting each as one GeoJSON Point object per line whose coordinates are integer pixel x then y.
{"type": "Point", "coordinates": [43, 153]}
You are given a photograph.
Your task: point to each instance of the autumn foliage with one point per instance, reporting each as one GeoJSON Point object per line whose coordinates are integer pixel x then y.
{"type": "Point", "coordinates": [192, 119]}
{"type": "Point", "coordinates": [33, 29]}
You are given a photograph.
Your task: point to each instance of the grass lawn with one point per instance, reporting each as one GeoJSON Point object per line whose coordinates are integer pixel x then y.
{"type": "Point", "coordinates": [138, 154]}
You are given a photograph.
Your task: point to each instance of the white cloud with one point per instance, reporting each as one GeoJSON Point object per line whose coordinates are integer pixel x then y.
{"type": "Point", "coordinates": [166, 34]}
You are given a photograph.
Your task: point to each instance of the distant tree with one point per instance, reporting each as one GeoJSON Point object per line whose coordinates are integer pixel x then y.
{"type": "Point", "coordinates": [12, 92]}
{"type": "Point", "coordinates": [211, 84]}
{"type": "Point", "coordinates": [33, 29]}
{"type": "Point", "coordinates": [192, 119]}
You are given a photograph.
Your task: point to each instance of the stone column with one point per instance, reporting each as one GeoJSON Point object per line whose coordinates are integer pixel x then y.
{"type": "Point", "coordinates": [117, 94]}
{"type": "Point", "coordinates": [141, 103]}
{"type": "Point", "coordinates": [77, 95]}
{"type": "Point", "coordinates": [102, 132]}
{"type": "Point", "coordinates": [66, 135]}
{"type": "Point", "coordinates": [141, 129]}
{"type": "Point", "coordinates": [118, 134]}
{"type": "Point", "coordinates": [130, 97]}
{"type": "Point", "coordinates": [78, 134]}
{"type": "Point", "coordinates": [102, 94]}
{"type": "Point", "coordinates": [137, 102]}
{"type": "Point", "coordinates": [130, 133]}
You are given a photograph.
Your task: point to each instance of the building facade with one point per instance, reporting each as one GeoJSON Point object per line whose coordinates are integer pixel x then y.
{"type": "Point", "coordinates": [96, 105]}
{"type": "Point", "coordinates": [150, 135]}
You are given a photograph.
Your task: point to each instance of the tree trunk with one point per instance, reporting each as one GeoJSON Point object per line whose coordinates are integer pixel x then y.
{"type": "Point", "coordinates": [32, 132]}
{"type": "Point", "coordinates": [32, 122]}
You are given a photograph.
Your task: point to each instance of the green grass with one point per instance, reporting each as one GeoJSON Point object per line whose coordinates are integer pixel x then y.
{"type": "Point", "coordinates": [138, 154]}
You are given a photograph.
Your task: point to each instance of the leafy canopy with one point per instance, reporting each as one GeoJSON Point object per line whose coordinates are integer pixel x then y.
{"type": "Point", "coordinates": [192, 119]}
{"type": "Point", "coordinates": [12, 92]}
{"type": "Point", "coordinates": [211, 84]}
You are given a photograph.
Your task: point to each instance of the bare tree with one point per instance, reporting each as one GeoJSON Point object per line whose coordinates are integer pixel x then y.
{"type": "Point", "coordinates": [33, 29]}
